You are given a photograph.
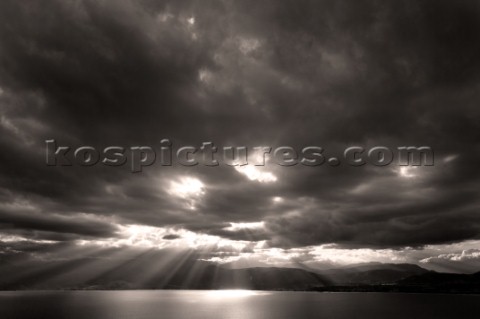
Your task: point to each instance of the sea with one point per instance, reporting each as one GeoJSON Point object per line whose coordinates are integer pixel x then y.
{"type": "Point", "coordinates": [233, 304]}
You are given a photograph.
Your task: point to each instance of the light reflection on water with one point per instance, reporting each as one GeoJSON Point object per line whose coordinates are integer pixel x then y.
{"type": "Point", "coordinates": [232, 293]}
{"type": "Point", "coordinates": [233, 304]}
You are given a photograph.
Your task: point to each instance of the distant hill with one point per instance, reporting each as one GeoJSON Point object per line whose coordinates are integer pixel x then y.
{"type": "Point", "coordinates": [372, 274]}
{"type": "Point", "coordinates": [435, 278]}
{"type": "Point", "coordinates": [428, 282]}
{"type": "Point", "coordinates": [442, 282]}
{"type": "Point", "coordinates": [149, 271]}
{"type": "Point", "coordinates": [275, 278]}
{"type": "Point", "coordinates": [154, 270]}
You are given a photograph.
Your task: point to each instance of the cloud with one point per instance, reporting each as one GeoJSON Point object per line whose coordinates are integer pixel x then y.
{"type": "Point", "coordinates": [18, 219]}
{"type": "Point", "coordinates": [245, 73]}
{"type": "Point", "coordinates": [170, 237]}
{"type": "Point", "coordinates": [462, 256]}
{"type": "Point", "coordinates": [466, 260]}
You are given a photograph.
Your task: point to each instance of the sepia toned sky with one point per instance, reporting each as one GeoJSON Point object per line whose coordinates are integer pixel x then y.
{"type": "Point", "coordinates": [256, 73]}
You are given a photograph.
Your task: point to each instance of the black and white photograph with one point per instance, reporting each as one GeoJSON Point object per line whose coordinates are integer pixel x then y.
{"type": "Point", "coordinates": [239, 159]}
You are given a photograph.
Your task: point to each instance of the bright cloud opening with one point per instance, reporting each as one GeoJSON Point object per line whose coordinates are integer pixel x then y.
{"type": "Point", "coordinates": [408, 172]}
{"type": "Point", "coordinates": [241, 226]}
{"type": "Point", "coordinates": [277, 199]}
{"type": "Point", "coordinates": [189, 188]}
{"type": "Point", "coordinates": [141, 236]}
{"type": "Point", "coordinates": [255, 174]}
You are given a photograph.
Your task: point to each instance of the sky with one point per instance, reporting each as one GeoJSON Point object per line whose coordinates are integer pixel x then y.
{"type": "Point", "coordinates": [249, 73]}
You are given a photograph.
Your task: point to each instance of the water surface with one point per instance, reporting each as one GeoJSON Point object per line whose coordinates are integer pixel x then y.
{"type": "Point", "coordinates": [233, 305]}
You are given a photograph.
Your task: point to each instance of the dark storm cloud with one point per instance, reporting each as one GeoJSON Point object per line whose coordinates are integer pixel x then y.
{"type": "Point", "coordinates": [79, 225]}
{"type": "Point", "coordinates": [327, 73]}
{"type": "Point", "coordinates": [171, 237]}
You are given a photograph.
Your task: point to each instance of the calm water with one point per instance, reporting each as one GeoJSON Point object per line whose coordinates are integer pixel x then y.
{"type": "Point", "coordinates": [233, 304]}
